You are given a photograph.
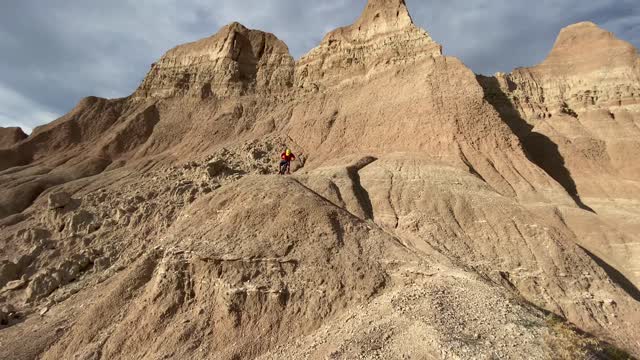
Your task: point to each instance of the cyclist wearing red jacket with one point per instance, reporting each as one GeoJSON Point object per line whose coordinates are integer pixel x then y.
{"type": "Point", "coordinates": [285, 164]}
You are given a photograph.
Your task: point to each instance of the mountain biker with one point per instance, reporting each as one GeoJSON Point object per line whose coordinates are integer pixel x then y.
{"type": "Point", "coordinates": [285, 165]}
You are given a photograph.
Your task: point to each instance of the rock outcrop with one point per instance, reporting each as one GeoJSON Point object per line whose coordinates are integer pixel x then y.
{"type": "Point", "coordinates": [588, 68]}
{"type": "Point", "coordinates": [382, 38]}
{"type": "Point", "coordinates": [437, 214]}
{"type": "Point", "coordinates": [11, 136]}
{"type": "Point", "coordinates": [578, 116]}
{"type": "Point", "coordinates": [59, 200]}
{"type": "Point", "coordinates": [397, 93]}
{"type": "Point", "coordinates": [235, 61]}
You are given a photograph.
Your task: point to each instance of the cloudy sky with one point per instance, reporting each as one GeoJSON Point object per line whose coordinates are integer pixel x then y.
{"type": "Point", "coordinates": [53, 53]}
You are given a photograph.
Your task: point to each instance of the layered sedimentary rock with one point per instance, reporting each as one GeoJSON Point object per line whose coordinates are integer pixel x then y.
{"type": "Point", "coordinates": [383, 37]}
{"type": "Point", "coordinates": [585, 97]}
{"type": "Point", "coordinates": [235, 61]}
{"type": "Point", "coordinates": [397, 93]}
{"type": "Point", "coordinates": [100, 134]}
{"type": "Point", "coordinates": [422, 222]}
{"type": "Point", "coordinates": [578, 116]}
{"type": "Point", "coordinates": [588, 68]}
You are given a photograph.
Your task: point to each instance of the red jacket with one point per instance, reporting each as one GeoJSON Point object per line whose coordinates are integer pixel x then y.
{"type": "Point", "coordinates": [286, 157]}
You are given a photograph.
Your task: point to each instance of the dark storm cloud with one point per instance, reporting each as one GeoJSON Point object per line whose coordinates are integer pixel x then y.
{"type": "Point", "coordinates": [54, 53]}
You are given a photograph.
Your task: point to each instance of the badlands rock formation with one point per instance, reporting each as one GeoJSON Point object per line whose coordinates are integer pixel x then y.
{"type": "Point", "coordinates": [233, 62]}
{"type": "Point", "coordinates": [383, 36]}
{"type": "Point", "coordinates": [577, 114]}
{"type": "Point", "coordinates": [432, 217]}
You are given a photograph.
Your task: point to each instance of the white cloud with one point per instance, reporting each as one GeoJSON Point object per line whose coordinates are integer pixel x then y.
{"type": "Point", "coordinates": [18, 111]}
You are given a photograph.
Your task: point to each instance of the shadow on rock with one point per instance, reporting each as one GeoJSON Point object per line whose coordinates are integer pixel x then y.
{"type": "Point", "coordinates": [540, 149]}
{"type": "Point", "coordinates": [362, 195]}
{"type": "Point", "coordinates": [616, 276]}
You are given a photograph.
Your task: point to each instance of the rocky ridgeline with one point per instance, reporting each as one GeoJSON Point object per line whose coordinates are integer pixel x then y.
{"type": "Point", "coordinates": [240, 61]}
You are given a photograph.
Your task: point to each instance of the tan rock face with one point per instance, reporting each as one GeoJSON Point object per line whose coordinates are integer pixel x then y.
{"type": "Point", "coordinates": [585, 97]}
{"type": "Point", "coordinates": [383, 37]}
{"type": "Point", "coordinates": [233, 62]}
{"type": "Point", "coordinates": [378, 18]}
{"type": "Point", "coordinates": [577, 114]}
{"type": "Point", "coordinates": [588, 68]}
{"type": "Point", "coordinates": [585, 47]}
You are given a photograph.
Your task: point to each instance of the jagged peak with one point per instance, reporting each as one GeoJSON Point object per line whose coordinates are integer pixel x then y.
{"type": "Point", "coordinates": [235, 60]}
{"type": "Point", "coordinates": [235, 26]}
{"type": "Point", "coordinates": [9, 136]}
{"type": "Point", "coordinates": [587, 37]}
{"type": "Point", "coordinates": [582, 32]}
{"type": "Point", "coordinates": [223, 41]}
{"type": "Point", "coordinates": [587, 44]}
{"type": "Point", "coordinates": [392, 13]}
{"type": "Point", "coordinates": [578, 25]}
{"type": "Point", "coordinates": [384, 36]}
{"type": "Point", "coordinates": [378, 17]}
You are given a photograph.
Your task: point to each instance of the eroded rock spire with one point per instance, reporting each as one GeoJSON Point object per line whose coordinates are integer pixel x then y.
{"type": "Point", "coordinates": [381, 16]}
{"type": "Point", "coordinates": [384, 36]}
{"type": "Point", "coordinates": [586, 47]}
